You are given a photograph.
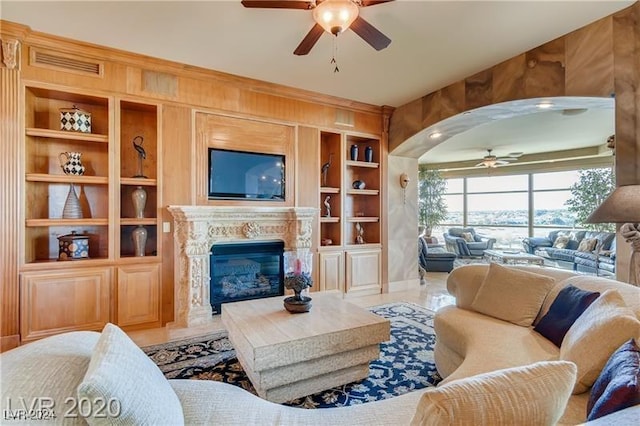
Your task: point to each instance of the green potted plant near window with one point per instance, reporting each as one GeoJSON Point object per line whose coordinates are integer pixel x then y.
{"type": "Point", "coordinates": [432, 209]}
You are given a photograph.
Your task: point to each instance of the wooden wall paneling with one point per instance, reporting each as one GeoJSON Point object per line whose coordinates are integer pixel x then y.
{"type": "Point", "coordinates": [243, 134]}
{"type": "Point", "coordinates": [544, 75]}
{"type": "Point", "coordinates": [589, 60]}
{"type": "Point", "coordinates": [626, 47]}
{"type": "Point", "coordinates": [176, 170]}
{"type": "Point", "coordinates": [307, 167]}
{"type": "Point", "coordinates": [385, 120]}
{"type": "Point", "coordinates": [478, 89]}
{"type": "Point", "coordinates": [61, 301]}
{"type": "Point", "coordinates": [508, 80]}
{"type": "Point", "coordinates": [11, 175]}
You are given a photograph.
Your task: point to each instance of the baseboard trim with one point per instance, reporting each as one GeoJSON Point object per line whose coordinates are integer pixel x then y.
{"type": "Point", "coordinates": [404, 285]}
{"type": "Point", "coordinates": [9, 342]}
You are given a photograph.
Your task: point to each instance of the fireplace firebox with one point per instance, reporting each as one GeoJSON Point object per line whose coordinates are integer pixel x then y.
{"type": "Point", "coordinates": [245, 271]}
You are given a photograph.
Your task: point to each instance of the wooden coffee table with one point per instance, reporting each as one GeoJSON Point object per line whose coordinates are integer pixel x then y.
{"type": "Point", "coordinates": [513, 258]}
{"type": "Point", "coordinates": [287, 356]}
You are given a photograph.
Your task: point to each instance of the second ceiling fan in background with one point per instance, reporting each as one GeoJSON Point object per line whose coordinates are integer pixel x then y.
{"type": "Point", "coordinates": [332, 16]}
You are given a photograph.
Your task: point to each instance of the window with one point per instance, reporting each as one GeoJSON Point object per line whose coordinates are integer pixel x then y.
{"type": "Point", "coordinates": [501, 206]}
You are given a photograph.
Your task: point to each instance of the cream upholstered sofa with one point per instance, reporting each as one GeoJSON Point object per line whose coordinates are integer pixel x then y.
{"type": "Point", "coordinates": [469, 342]}
{"type": "Point", "coordinates": [88, 377]}
{"type": "Point", "coordinates": [104, 378]}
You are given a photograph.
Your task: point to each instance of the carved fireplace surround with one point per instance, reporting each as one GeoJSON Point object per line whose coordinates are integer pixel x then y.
{"type": "Point", "coordinates": [197, 228]}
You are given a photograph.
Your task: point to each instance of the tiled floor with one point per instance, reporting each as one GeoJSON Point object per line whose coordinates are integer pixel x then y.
{"type": "Point", "coordinates": [433, 296]}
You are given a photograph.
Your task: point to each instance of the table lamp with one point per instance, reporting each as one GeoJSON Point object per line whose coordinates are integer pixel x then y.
{"type": "Point", "coordinates": [623, 206]}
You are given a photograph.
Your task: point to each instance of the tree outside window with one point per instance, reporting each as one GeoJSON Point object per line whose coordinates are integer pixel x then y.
{"type": "Point", "coordinates": [432, 209]}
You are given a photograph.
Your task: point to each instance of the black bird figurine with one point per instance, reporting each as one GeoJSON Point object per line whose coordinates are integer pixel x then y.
{"type": "Point", "coordinates": [325, 170]}
{"type": "Point", "coordinates": [142, 154]}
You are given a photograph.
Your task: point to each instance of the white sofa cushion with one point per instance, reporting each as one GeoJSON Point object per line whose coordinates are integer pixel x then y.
{"type": "Point", "coordinates": [512, 295]}
{"type": "Point", "coordinates": [49, 371]}
{"type": "Point", "coordinates": [601, 329]}
{"type": "Point", "coordinates": [532, 395]}
{"type": "Point", "coordinates": [120, 373]}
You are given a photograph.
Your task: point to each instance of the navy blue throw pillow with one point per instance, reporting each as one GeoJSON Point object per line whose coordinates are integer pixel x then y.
{"type": "Point", "coordinates": [570, 303]}
{"type": "Point", "coordinates": [618, 385]}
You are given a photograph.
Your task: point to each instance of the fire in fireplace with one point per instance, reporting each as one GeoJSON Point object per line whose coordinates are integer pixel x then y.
{"type": "Point", "coordinates": [245, 271]}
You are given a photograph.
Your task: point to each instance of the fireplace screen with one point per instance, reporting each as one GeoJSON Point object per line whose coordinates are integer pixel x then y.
{"type": "Point", "coordinates": [245, 271]}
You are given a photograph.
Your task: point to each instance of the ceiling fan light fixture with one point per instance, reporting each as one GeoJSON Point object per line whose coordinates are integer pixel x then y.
{"type": "Point", "coordinates": [335, 16]}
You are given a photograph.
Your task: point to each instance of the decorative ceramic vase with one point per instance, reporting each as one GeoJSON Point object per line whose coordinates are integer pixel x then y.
{"type": "Point", "coordinates": [139, 198]}
{"type": "Point", "coordinates": [139, 237]}
{"type": "Point", "coordinates": [368, 154]}
{"type": "Point", "coordinates": [297, 277]}
{"type": "Point", "coordinates": [354, 152]}
{"type": "Point", "coordinates": [358, 184]}
{"type": "Point", "coordinates": [72, 208]}
{"type": "Point", "coordinates": [71, 163]}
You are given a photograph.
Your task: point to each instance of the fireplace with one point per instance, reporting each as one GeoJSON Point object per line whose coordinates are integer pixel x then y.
{"type": "Point", "coordinates": [198, 228]}
{"type": "Point", "coordinates": [245, 271]}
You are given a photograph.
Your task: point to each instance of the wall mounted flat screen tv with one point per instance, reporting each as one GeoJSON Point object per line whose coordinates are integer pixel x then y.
{"type": "Point", "coordinates": [243, 175]}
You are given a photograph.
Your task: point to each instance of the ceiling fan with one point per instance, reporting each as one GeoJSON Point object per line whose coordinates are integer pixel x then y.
{"type": "Point", "coordinates": [332, 16]}
{"type": "Point", "coordinates": [491, 161]}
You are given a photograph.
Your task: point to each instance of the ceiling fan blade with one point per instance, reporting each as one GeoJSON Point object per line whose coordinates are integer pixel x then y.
{"type": "Point", "coordinates": [480, 165]}
{"type": "Point", "coordinates": [370, 34]}
{"type": "Point", "coordinates": [365, 3]}
{"type": "Point", "coordinates": [281, 4]}
{"type": "Point", "coordinates": [309, 40]}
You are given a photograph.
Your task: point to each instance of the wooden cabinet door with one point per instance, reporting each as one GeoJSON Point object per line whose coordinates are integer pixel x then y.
{"type": "Point", "coordinates": [363, 271]}
{"type": "Point", "coordinates": [138, 295]}
{"type": "Point", "coordinates": [331, 271]}
{"type": "Point", "coordinates": [61, 301]}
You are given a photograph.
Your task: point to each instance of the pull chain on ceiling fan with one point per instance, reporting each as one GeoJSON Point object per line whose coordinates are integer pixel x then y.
{"type": "Point", "coordinates": [332, 16]}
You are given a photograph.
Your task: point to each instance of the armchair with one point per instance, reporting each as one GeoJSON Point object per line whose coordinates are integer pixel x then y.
{"type": "Point", "coordinates": [465, 242]}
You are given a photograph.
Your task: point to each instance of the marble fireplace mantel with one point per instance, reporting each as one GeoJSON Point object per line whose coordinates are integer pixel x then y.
{"type": "Point", "coordinates": [197, 228]}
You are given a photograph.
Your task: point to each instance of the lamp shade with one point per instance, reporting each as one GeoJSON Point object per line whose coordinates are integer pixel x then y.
{"type": "Point", "coordinates": [622, 206]}
{"type": "Point", "coordinates": [335, 16]}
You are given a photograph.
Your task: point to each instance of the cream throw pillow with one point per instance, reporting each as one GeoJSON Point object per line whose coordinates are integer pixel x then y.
{"type": "Point", "coordinates": [511, 294]}
{"type": "Point", "coordinates": [535, 394]}
{"type": "Point", "coordinates": [120, 373]}
{"type": "Point", "coordinates": [588, 244]}
{"type": "Point", "coordinates": [561, 242]}
{"type": "Point", "coordinates": [467, 236]}
{"type": "Point", "coordinates": [601, 329]}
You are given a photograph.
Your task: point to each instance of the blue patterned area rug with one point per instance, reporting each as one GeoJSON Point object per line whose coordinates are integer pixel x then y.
{"type": "Point", "coordinates": [405, 364]}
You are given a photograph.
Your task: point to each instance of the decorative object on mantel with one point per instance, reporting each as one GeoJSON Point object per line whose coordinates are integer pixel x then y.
{"type": "Point", "coordinates": [623, 206]}
{"type": "Point", "coordinates": [139, 198]}
{"type": "Point", "coordinates": [73, 246]}
{"type": "Point", "coordinates": [72, 208]}
{"type": "Point", "coordinates": [142, 154]}
{"type": "Point", "coordinates": [326, 241]}
{"type": "Point", "coordinates": [75, 120]}
{"type": "Point", "coordinates": [353, 152]}
{"type": "Point", "coordinates": [71, 163]}
{"type": "Point", "coordinates": [325, 169]}
{"type": "Point", "coordinates": [368, 154]}
{"type": "Point", "coordinates": [139, 238]}
{"type": "Point", "coordinates": [359, 233]}
{"type": "Point", "coordinates": [297, 277]}
{"type": "Point", "coordinates": [358, 184]}
{"type": "Point", "coordinates": [327, 206]}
